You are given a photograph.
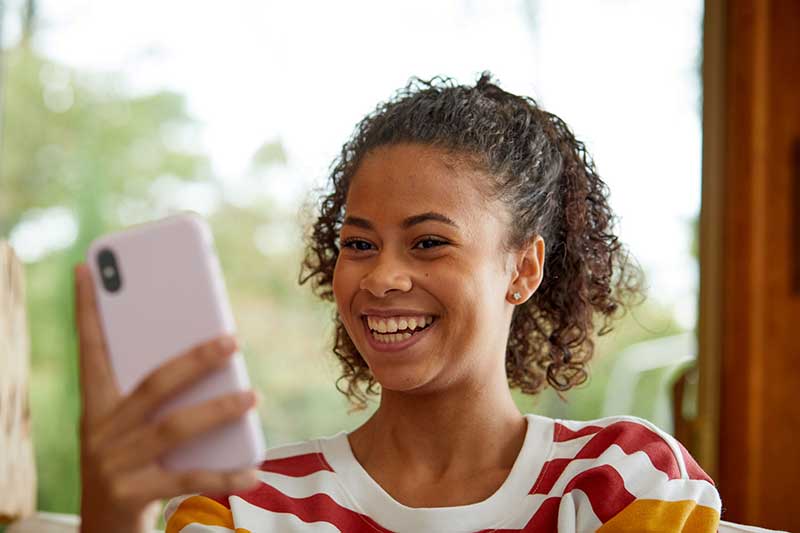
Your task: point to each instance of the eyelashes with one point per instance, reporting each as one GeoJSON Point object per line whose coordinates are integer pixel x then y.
{"type": "Point", "coordinates": [362, 245]}
{"type": "Point", "coordinates": [355, 244]}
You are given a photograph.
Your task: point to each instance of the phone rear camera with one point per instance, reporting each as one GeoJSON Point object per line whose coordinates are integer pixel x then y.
{"type": "Point", "coordinates": [109, 272]}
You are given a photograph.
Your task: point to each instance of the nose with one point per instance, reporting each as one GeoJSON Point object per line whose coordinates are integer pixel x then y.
{"type": "Point", "coordinates": [387, 275]}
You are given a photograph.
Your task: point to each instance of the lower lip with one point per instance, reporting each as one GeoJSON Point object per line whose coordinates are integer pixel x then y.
{"type": "Point", "coordinates": [396, 346]}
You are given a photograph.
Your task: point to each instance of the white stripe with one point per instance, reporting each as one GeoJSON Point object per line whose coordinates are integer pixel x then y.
{"type": "Point", "coordinates": [635, 469]}
{"type": "Point", "coordinates": [200, 528]}
{"type": "Point", "coordinates": [292, 449]}
{"type": "Point", "coordinates": [575, 513]}
{"type": "Point", "coordinates": [570, 448]}
{"type": "Point", "coordinates": [674, 490]}
{"type": "Point", "coordinates": [528, 508]}
{"type": "Point", "coordinates": [260, 520]}
{"type": "Point", "coordinates": [577, 425]}
{"type": "Point", "coordinates": [668, 439]}
{"type": "Point", "coordinates": [322, 481]}
{"type": "Point", "coordinates": [640, 478]}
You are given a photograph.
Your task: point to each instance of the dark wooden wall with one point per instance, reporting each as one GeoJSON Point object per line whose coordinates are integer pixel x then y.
{"type": "Point", "coordinates": [749, 330]}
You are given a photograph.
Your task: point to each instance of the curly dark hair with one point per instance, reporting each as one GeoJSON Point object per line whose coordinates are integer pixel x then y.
{"type": "Point", "coordinates": [548, 181]}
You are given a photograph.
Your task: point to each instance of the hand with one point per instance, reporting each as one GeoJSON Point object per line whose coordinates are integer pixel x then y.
{"type": "Point", "coordinates": [121, 479]}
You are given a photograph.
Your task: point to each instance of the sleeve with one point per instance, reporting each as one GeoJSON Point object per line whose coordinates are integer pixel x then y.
{"type": "Point", "coordinates": [663, 488]}
{"type": "Point", "coordinates": [199, 514]}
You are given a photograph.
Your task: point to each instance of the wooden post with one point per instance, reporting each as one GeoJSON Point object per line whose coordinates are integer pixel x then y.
{"type": "Point", "coordinates": [750, 259]}
{"type": "Point", "coordinates": [17, 467]}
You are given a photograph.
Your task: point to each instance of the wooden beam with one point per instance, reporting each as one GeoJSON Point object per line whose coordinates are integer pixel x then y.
{"type": "Point", "coordinates": [709, 327]}
{"type": "Point", "coordinates": [17, 470]}
{"type": "Point", "coordinates": [750, 308]}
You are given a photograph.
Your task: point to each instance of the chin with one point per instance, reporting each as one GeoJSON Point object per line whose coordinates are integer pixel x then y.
{"type": "Point", "coordinates": [391, 379]}
{"type": "Point", "coordinates": [412, 383]}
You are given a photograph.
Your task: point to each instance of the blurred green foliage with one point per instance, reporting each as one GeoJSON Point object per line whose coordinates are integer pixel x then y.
{"type": "Point", "coordinates": [82, 143]}
{"type": "Point", "coordinates": [76, 142]}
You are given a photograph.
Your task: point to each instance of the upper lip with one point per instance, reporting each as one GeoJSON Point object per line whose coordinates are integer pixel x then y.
{"type": "Point", "coordinates": [394, 312]}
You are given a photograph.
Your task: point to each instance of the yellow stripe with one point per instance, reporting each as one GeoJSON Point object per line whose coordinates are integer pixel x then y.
{"type": "Point", "coordinates": [644, 516]}
{"type": "Point", "coordinates": [201, 510]}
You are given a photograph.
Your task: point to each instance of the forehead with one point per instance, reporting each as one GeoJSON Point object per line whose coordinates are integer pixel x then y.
{"type": "Point", "coordinates": [395, 181]}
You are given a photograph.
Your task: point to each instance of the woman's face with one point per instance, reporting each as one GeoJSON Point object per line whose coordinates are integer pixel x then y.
{"type": "Point", "coordinates": [421, 279]}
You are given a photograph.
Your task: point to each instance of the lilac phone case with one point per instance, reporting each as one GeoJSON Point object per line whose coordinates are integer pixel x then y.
{"type": "Point", "coordinates": [172, 296]}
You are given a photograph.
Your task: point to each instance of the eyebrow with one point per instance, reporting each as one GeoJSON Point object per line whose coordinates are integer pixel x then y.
{"type": "Point", "coordinates": [407, 223]}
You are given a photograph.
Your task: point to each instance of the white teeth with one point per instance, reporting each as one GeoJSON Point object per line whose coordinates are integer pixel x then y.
{"type": "Point", "coordinates": [398, 324]}
{"type": "Point", "coordinates": [391, 337]}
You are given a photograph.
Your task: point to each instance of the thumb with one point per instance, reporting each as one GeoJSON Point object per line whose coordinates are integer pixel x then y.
{"type": "Point", "coordinates": [99, 391]}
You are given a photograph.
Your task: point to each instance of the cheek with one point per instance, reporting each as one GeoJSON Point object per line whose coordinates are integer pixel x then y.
{"type": "Point", "coordinates": [463, 294]}
{"type": "Point", "coordinates": [345, 286]}
{"type": "Point", "coordinates": [341, 285]}
{"type": "Point", "coordinates": [475, 299]}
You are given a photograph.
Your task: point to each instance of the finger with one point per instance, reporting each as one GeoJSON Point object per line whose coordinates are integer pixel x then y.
{"type": "Point", "coordinates": [99, 391]}
{"type": "Point", "coordinates": [203, 481]}
{"type": "Point", "coordinates": [167, 380]}
{"type": "Point", "coordinates": [145, 446]}
{"type": "Point", "coordinates": [141, 488]}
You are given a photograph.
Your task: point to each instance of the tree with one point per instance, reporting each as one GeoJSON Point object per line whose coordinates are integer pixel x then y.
{"type": "Point", "coordinates": [71, 140]}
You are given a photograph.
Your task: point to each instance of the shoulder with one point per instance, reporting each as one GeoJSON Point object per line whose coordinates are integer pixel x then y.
{"type": "Point", "coordinates": [628, 468]}
{"type": "Point", "coordinates": [625, 436]}
{"type": "Point", "coordinates": [296, 459]}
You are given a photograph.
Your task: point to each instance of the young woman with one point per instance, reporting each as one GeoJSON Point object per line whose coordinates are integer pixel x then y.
{"type": "Point", "coordinates": [466, 240]}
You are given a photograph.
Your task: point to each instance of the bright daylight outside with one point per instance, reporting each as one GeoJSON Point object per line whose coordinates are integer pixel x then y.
{"type": "Point", "coordinates": [116, 113]}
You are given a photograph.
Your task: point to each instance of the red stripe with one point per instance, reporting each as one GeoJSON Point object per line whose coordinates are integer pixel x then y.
{"type": "Point", "coordinates": [633, 437]}
{"type": "Point", "coordinates": [297, 465]}
{"type": "Point", "coordinates": [550, 473]}
{"type": "Point", "coordinates": [545, 520]}
{"type": "Point", "coordinates": [316, 508]}
{"type": "Point", "coordinates": [605, 489]}
{"type": "Point", "coordinates": [221, 499]}
{"type": "Point", "coordinates": [692, 468]}
{"type": "Point", "coordinates": [562, 433]}
{"type": "Point", "coordinates": [603, 485]}
{"type": "Point", "coordinates": [629, 436]}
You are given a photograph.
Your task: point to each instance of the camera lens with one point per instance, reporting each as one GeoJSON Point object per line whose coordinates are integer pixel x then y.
{"type": "Point", "coordinates": [109, 272]}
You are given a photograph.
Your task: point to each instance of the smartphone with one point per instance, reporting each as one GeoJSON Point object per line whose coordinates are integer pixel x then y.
{"type": "Point", "coordinates": [160, 291]}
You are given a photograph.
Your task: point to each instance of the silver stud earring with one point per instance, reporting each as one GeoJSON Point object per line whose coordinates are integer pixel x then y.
{"type": "Point", "coordinates": [516, 296]}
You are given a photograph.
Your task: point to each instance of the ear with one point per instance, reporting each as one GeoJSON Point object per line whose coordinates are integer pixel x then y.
{"type": "Point", "coordinates": [528, 271]}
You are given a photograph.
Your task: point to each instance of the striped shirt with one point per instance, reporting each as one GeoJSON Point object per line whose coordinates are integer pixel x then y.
{"type": "Point", "coordinates": [609, 475]}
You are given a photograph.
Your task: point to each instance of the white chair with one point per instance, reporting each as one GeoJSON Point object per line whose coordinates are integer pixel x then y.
{"type": "Point", "coordinates": [730, 527]}
{"type": "Point", "coordinates": [661, 360]}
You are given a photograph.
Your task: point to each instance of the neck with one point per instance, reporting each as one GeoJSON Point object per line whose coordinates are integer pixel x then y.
{"type": "Point", "coordinates": [447, 435]}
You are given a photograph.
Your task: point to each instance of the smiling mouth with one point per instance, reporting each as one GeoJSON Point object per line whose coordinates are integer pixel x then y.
{"type": "Point", "coordinates": [397, 329]}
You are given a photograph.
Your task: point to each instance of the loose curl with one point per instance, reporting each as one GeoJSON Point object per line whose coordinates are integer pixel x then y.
{"type": "Point", "coordinates": [550, 185]}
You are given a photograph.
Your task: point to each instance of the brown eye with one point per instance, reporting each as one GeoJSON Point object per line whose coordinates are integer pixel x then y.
{"type": "Point", "coordinates": [357, 244]}
{"type": "Point", "coordinates": [428, 243]}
